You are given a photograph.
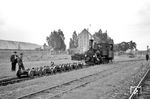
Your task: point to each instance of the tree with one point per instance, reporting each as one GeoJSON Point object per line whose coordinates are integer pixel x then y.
{"type": "Point", "coordinates": [56, 40]}
{"type": "Point", "coordinates": [74, 40]}
{"type": "Point", "coordinates": [71, 45]}
{"type": "Point", "coordinates": [98, 36]}
{"type": "Point", "coordinates": [102, 37]}
{"type": "Point", "coordinates": [132, 45]}
{"type": "Point", "coordinates": [124, 46]}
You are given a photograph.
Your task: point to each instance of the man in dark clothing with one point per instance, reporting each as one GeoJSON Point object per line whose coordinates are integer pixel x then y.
{"type": "Point", "coordinates": [13, 60]}
{"type": "Point", "coordinates": [147, 57]}
{"type": "Point", "coordinates": [20, 62]}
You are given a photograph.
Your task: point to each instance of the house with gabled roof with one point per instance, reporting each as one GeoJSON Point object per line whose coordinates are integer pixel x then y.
{"type": "Point", "coordinates": [83, 40]}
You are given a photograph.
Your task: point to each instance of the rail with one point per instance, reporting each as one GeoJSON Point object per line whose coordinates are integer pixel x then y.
{"type": "Point", "coordinates": [138, 86]}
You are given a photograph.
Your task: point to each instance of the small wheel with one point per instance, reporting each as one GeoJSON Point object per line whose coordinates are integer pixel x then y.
{"type": "Point", "coordinates": [40, 73]}
{"type": "Point", "coordinates": [44, 72]}
{"type": "Point", "coordinates": [31, 74]}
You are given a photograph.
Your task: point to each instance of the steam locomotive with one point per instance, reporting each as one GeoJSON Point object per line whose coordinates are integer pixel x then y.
{"type": "Point", "coordinates": [99, 52]}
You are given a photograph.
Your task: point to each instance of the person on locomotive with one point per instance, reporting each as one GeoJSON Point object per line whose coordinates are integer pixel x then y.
{"type": "Point", "coordinates": [98, 58]}
{"type": "Point", "coordinates": [20, 62]}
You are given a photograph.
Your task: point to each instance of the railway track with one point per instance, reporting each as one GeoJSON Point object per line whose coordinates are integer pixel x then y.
{"type": "Point", "coordinates": [14, 80]}
{"type": "Point", "coordinates": [142, 90]}
{"type": "Point", "coordinates": [59, 90]}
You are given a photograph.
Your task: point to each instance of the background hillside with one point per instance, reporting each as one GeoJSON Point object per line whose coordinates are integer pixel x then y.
{"type": "Point", "coordinates": [6, 44]}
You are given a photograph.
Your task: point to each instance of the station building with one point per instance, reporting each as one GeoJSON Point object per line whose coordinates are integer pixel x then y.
{"type": "Point", "coordinates": [83, 40]}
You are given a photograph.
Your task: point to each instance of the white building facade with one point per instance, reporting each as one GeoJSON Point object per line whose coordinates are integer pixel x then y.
{"type": "Point", "coordinates": [83, 41]}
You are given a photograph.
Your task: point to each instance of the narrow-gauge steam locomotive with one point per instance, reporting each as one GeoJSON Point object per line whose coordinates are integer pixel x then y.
{"type": "Point", "coordinates": [99, 53]}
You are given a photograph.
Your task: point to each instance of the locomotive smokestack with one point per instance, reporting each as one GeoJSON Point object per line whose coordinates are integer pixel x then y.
{"type": "Point", "coordinates": [91, 43]}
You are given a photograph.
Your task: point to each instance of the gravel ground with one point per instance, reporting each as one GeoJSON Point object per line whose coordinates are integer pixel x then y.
{"type": "Point", "coordinates": [15, 90]}
{"type": "Point", "coordinates": [113, 86]}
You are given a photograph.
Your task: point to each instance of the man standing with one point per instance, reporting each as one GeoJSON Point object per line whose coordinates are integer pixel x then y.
{"type": "Point", "coordinates": [147, 57]}
{"type": "Point", "coordinates": [20, 62]}
{"type": "Point", "coordinates": [13, 60]}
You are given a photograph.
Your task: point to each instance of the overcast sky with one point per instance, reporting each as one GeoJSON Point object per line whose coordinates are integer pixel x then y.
{"type": "Point", "coordinates": [33, 20]}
